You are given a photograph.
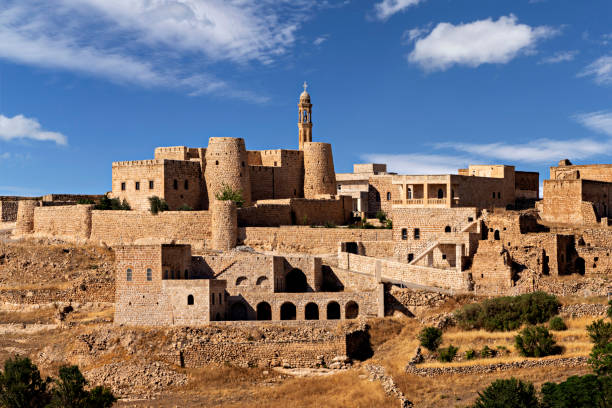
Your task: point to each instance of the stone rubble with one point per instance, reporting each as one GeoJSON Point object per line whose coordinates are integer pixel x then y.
{"type": "Point", "coordinates": [377, 373]}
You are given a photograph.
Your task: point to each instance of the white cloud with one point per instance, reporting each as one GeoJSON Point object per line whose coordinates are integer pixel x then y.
{"type": "Point", "coordinates": [153, 43]}
{"type": "Point", "coordinates": [536, 151]}
{"type": "Point", "coordinates": [562, 56]}
{"type": "Point", "coordinates": [597, 121]}
{"type": "Point", "coordinates": [20, 127]}
{"type": "Point", "coordinates": [476, 43]}
{"type": "Point", "coordinates": [321, 39]}
{"type": "Point", "coordinates": [387, 8]}
{"type": "Point", "coordinates": [600, 70]}
{"type": "Point", "coordinates": [418, 163]}
{"type": "Point", "coordinates": [5, 156]}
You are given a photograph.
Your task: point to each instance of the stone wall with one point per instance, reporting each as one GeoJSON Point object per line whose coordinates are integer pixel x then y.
{"type": "Point", "coordinates": [8, 211]}
{"type": "Point", "coordinates": [265, 215]}
{"type": "Point", "coordinates": [145, 172]}
{"type": "Point", "coordinates": [599, 172]}
{"type": "Point", "coordinates": [381, 193]}
{"type": "Point", "coordinates": [306, 239]}
{"type": "Point", "coordinates": [70, 222]}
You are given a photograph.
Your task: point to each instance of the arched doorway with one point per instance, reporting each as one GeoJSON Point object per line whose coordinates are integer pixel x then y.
{"type": "Point", "coordinates": [447, 229]}
{"type": "Point", "coordinates": [239, 311]}
{"type": "Point", "coordinates": [440, 193]}
{"type": "Point", "coordinates": [496, 235]}
{"type": "Point", "coordinates": [333, 311]}
{"type": "Point", "coordinates": [287, 311]}
{"type": "Point", "coordinates": [295, 281]}
{"type": "Point", "coordinates": [311, 312]}
{"type": "Point", "coordinates": [264, 311]}
{"type": "Point", "coordinates": [351, 310]}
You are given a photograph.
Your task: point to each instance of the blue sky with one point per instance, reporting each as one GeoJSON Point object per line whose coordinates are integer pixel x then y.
{"type": "Point", "coordinates": [427, 86]}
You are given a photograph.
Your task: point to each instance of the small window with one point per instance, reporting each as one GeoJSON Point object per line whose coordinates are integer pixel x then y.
{"type": "Point", "coordinates": [149, 274]}
{"type": "Point", "coordinates": [447, 229]}
{"type": "Point", "coordinates": [242, 164]}
{"type": "Point", "coordinates": [123, 186]}
{"type": "Point", "coordinates": [220, 299]}
{"type": "Point", "coordinates": [388, 196]}
{"type": "Point", "coordinates": [216, 162]}
{"type": "Point", "coordinates": [410, 257]}
{"type": "Point", "coordinates": [151, 184]}
{"type": "Point", "coordinates": [128, 275]}
{"type": "Point", "coordinates": [494, 194]}
{"type": "Point", "coordinates": [186, 184]}
{"type": "Point", "coordinates": [190, 300]}
{"type": "Point", "coordinates": [275, 163]}
{"type": "Point", "coordinates": [339, 187]}
{"type": "Point", "coordinates": [417, 233]}
{"type": "Point", "coordinates": [212, 298]}
{"type": "Point", "coordinates": [470, 219]}
{"type": "Point", "coordinates": [137, 185]}
{"type": "Point", "coordinates": [175, 184]}
{"type": "Point", "coordinates": [443, 256]}
{"type": "Point", "coordinates": [498, 194]}
{"type": "Point", "coordinates": [409, 193]}
{"type": "Point", "coordinates": [404, 234]}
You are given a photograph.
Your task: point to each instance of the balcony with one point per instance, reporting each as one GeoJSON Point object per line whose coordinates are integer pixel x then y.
{"type": "Point", "coordinates": [431, 202]}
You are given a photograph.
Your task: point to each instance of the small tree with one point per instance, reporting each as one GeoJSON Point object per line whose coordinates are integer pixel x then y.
{"type": "Point", "coordinates": [157, 204]}
{"type": "Point", "coordinates": [600, 332]}
{"type": "Point", "coordinates": [430, 338]}
{"type": "Point", "coordinates": [447, 354]}
{"type": "Point", "coordinates": [576, 392]}
{"type": "Point", "coordinates": [381, 215]}
{"type": "Point", "coordinates": [601, 359]}
{"type": "Point", "coordinates": [557, 324]}
{"type": "Point", "coordinates": [510, 393]}
{"type": "Point", "coordinates": [227, 193]}
{"type": "Point", "coordinates": [21, 385]}
{"type": "Point", "coordinates": [69, 391]}
{"type": "Point", "coordinates": [535, 342]}
{"type": "Point", "coordinates": [487, 352]}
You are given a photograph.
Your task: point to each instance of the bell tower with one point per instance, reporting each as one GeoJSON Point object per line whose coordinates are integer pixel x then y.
{"type": "Point", "coordinates": [304, 118]}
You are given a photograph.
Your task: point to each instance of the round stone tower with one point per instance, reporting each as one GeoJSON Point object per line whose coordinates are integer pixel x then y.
{"type": "Point", "coordinates": [226, 164]}
{"type": "Point", "coordinates": [319, 174]}
{"type": "Point", "coordinates": [25, 217]}
{"type": "Point", "coordinates": [224, 225]}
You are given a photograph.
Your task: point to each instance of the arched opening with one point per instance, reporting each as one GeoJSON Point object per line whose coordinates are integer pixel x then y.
{"type": "Point", "coordinates": [128, 275]}
{"type": "Point", "coordinates": [262, 280]}
{"type": "Point", "coordinates": [190, 300]}
{"type": "Point", "coordinates": [264, 311]}
{"type": "Point", "coordinates": [287, 311]}
{"type": "Point", "coordinates": [241, 281]}
{"type": "Point", "coordinates": [447, 229]}
{"type": "Point", "coordinates": [440, 193]}
{"type": "Point", "coordinates": [311, 312]}
{"type": "Point", "coordinates": [417, 233]}
{"type": "Point", "coordinates": [175, 184]}
{"type": "Point", "coordinates": [577, 174]}
{"type": "Point", "coordinates": [295, 282]}
{"type": "Point", "coordinates": [333, 311]}
{"type": "Point", "coordinates": [351, 310]}
{"type": "Point", "coordinates": [388, 196]}
{"type": "Point", "coordinates": [409, 193]}
{"type": "Point", "coordinates": [238, 311]}
{"type": "Point", "coordinates": [149, 274]}
{"type": "Point", "coordinates": [404, 234]}
{"type": "Point", "coordinates": [352, 248]}
{"type": "Point", "coordinates": [579, 266]}
{"type": "Point", "coordinates": [496, 235]}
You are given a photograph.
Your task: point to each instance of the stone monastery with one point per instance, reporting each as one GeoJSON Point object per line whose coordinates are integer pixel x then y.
{"type": "Point", "coordinates": [305, 243]}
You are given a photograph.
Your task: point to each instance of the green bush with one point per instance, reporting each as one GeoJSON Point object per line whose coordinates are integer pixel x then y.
{"type": "Point", "coordinates": [535, 341]}
{"type": "Point", "coordinates": [470, 354]}
{"type": "Point", "coordinates": [85, 201]}
{"type": "Point", "coordinates": [227, 193]}
{"type": "Point", "coordinates": [600, 359]}
{"type": "Point", "coordinates": [577, 392]}
{"type": "Point", "coordinates": [600, 332]}
{"type": "Point", "coordinates": [69, 391]}
{"type": "Point", "coordinates": [157, 204]}
{"type": "Point", "coordinates": [21, 385]}
{"type": "Point", "coordinates": [380, 214]}
{"type": "Point", "coordinates": [184, 207]}
{"type": "Point", "coordinates": [329, 224]}
{"type": "Point", "coordinates": [106, 203]}
{"type": "Point", "coordinates": [389, 224]}
{"type": "Point", "coordinates": [508, 312]}
{"type": "Point", "coordinates": [447, 354]}
{"type": "Point", "coordinates": [510, 393]}
{"type": "Point", "coordinates": [557, 324]}
{"type": "Point", "coordinates": [430, 338]}
{"type": "Point", "coordinates": [487, 352]}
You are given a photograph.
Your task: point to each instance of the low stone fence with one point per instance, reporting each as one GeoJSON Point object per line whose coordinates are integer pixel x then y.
{"type": "Point", "coordinates": [490, 368]}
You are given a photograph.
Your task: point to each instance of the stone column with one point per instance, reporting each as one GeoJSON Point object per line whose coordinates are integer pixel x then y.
{"type": "Point", "coordinates": [425, 194]}
{"type": "Point", "coordinates": [25, 217]}
{"type": "Point", "coordinates": [449, 195]}
{"type": "Point", "coordinates": [459, 257]}
{"type": "Point", "coordinates": [224, 225]}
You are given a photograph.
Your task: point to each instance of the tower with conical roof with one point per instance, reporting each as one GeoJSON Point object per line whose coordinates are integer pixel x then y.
{"type": "Point", "coordinates": [304, 118]}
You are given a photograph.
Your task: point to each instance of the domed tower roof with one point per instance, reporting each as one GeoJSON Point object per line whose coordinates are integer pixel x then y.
{"type": "Point", "coordinates": [305, 96]}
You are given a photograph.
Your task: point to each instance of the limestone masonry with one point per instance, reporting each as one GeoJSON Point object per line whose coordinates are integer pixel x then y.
{"type": "Point", "coordinates": [306, 244]}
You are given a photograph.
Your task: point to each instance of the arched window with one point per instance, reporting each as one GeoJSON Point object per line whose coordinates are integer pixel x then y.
{"type": "Point", "coordinates": [190, 300]}
{"type": "Point", "coordinates": [311, 312]}
{"type": "Point", "coordinates": [447, 229]}
{"type": "Point", "coordinates": [351, 310]}
{"type": "Point", "coordinates": [175, 184]}
{"type": "Point", "coordinates": [404, 234]}
{"type": "Point", "coordinates": [220, 299]}
{"type": "Point", "coordinates": [287, 311]}
{"type": "Point", "coordinates": [128, 275]}
{"type": "Point", "coordinates": [216, 162]}
{"type": "Point", "coordinates": [262, 280]}
{"type": "Point", "coordinates": [149, 274]}
{"type": "Point", "coordinates": [409, 193]}
{"type": "Point", "coordinates": [296, 282]}
{"type": "Point", "coordinates": [212, 298]}
{"type": "Point", "coordinates": [186, 184]}
{"type": "Point", "coordinates": [440, 193]}
{"type": "Point", "coordinates": [388, 196]}
{"type": "Point", "coordinates": [264, 311]}
{"type": "Point", "coordinates": [241, 281]}
{"type": "Point", "coordinates": [496, 235]}
{"type": "Point", "coordinates": [417, 233]}
{"type": "Point", "coordinates": [410, 257]}
{"type": "Point", "coordinates": [333, 311]}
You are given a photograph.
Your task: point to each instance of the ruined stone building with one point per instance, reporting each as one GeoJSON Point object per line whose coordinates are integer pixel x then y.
{"type": "Point", "coordinates": [295, 251]}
